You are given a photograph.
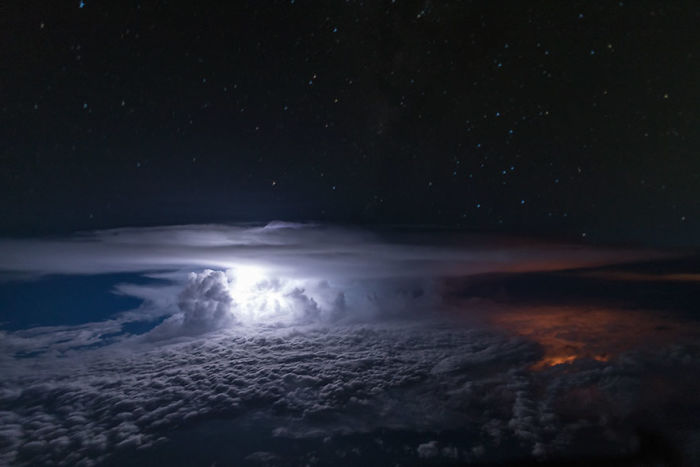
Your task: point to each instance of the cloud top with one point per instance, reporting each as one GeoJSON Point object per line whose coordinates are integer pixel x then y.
{"type": "Point", "coordinates": [298, 249]}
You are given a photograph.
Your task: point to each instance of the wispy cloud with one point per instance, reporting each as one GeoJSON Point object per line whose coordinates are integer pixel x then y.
{"type": "Point", "coordinates": [311, 250]}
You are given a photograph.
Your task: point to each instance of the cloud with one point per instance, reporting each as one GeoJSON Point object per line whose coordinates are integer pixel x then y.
{"type": "Point", "coordinates": [331, 382]}
{"type": "Point", "coordinates": [206, 301]}
{"type": "Point", "coordinates": [249, 298]}
{"type": "Point", "coordinates": [323, 333]}
{"type": "Point", "coordinates": [296, 250]}
{"type": "Point", "coordinates": [283, 273]}
{"type": "Point", "coordinates": [56, 339]}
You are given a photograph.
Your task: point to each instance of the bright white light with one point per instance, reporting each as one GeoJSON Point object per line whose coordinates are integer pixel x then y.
{"type": "Point", "coordinates": [243, 279]}
{"type": "Point", "coordinates": [260, 298]}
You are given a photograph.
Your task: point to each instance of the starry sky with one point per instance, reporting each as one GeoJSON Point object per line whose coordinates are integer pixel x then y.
{"type": "Point", "coordinates": [572, 119]}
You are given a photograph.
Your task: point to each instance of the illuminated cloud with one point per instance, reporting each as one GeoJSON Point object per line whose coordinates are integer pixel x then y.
{"type": "Point", "coordinates": [296, 250]}
{"type": "Point", "coordinates": [284, 274]}
{"type": "Point", "coordinates": [251, 298]}
{"type": "Point", "coordinates": [206, 302]}
{"type": "Point", "coordinates": [570, 333]}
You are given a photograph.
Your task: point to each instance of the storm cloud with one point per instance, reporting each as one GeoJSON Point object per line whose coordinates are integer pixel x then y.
{"type": "Point", "coordinates": [310, 335]}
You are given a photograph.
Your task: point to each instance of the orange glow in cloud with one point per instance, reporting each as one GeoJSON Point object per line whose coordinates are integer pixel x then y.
{"type": "Point", "coordinates": [642, 277]}
{"type": "Point", "coordinates": [567, 334]}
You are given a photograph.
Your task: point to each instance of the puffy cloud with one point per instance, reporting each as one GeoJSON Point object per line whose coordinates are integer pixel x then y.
{"type": "Point", "coordinates": [250, 297]}
{"type": "Point", "coordinates": [206, 302]}
{"type": "Point", "coordinates": [332, 382]}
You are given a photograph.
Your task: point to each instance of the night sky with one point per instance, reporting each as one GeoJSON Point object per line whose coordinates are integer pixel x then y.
{"type": "Point", "coordinates": [572, 119]}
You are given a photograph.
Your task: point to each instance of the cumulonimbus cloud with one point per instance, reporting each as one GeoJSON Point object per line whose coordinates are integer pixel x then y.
{"type": "Point", "coordinates": [212, 300]}
{"type": "Point", "coordinates": [283, 273]}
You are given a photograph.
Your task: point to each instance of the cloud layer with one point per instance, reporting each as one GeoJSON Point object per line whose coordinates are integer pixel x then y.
{"type": "Point", "coordinates": [321, 383]}
{"type": "Point", "coordinates": [284, 274]}
{"type": "Point", "coordinates": [300, 250]}
{"type": "Point", "coordinates": [331, 337]}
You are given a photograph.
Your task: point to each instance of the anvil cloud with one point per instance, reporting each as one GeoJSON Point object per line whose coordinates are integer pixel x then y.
{"type": "Point", "coordinates": [304, 249]}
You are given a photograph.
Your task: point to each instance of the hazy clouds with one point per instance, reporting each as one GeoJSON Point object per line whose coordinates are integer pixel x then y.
{"type": "Point", "coordinates": [306, 250]}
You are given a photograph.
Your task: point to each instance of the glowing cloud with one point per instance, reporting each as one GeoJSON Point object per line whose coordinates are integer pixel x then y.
{"type": "Point", "coordinates": [567, 334]}
{"type": "Point", "coordinates": [286, 274]}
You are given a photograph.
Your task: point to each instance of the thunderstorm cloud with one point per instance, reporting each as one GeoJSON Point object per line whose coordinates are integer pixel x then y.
{"type": "Point", "coordinates": [306, 334]}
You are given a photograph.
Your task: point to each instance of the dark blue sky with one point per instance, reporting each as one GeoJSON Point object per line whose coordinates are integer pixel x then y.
{"type": "Point", "coordinates": [63, 300]}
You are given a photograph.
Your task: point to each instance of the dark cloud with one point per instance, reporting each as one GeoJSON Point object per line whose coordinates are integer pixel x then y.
{"type": "Point", "coordinates": [314, 383]}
